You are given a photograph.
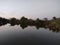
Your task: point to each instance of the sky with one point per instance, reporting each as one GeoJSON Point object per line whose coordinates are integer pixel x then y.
{"type": "Point", "coordinates": [30, 8]}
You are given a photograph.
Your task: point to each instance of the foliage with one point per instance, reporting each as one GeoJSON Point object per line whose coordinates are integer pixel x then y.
{"type": "Point", "coordinates": [53, 24]}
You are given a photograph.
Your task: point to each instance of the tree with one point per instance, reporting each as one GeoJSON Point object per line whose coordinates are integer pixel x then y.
{"type": "Point", "coordinates": [24, 21]}
{"type": "Point", "coordinates": [54, 18]}
{"type": "Point", "coordinates": [13, 21]}
{"type": "Point", "coordinates": [37, 22]}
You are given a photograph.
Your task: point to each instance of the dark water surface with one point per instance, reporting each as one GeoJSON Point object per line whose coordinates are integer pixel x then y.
{"type": "Point", "coordinates": [15, 35]}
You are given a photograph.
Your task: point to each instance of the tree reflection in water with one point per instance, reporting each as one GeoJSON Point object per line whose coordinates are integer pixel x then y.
{"type": "Point", "coordinates": [24, 22]}
{"type": "Point", "coordinates": [37, 27]}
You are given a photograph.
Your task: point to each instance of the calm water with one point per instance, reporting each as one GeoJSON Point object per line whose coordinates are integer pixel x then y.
{"type": "Point", "coordinates": [14, 35]}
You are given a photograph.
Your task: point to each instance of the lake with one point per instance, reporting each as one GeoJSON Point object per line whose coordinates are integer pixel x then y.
{"type": "Point", "coordinates": [14, 35]}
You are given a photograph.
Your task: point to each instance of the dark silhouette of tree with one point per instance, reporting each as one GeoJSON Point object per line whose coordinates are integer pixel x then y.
{"type": "Point", "coordinates": [37, 22]}
{"type": "Point", "coordinates": [53, 24]}
{"type": "Point", "coordinates": [31, 22]}
{"type": "Point", "coordinates": [12, 21]}
{"type": "Point", "coordinates": [3, 21]}
{"type": "Point", "coordinates": [54, 18]}
{"type": "Point", "coordinates": [24, 21]}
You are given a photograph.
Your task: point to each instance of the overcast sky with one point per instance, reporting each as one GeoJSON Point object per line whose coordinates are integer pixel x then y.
{"type": "Point", "coordinates": [29, 8]}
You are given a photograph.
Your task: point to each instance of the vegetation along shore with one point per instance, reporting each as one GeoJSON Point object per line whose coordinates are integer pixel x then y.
{"type": "Point", "coordinates": [53, 24]}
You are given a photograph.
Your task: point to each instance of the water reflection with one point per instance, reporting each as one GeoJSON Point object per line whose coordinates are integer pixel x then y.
{"type": "Point", "coordinates": [24, 22]}
{"type": "Point", "coordinates": [28, 36]}
{"type": "Point", "coordinates": [36, 26]}
{"type": "Point", "coordinates": [21, 34]}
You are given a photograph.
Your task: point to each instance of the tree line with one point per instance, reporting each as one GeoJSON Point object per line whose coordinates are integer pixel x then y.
{"type": "Point", "coordinates": [53, 24]}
